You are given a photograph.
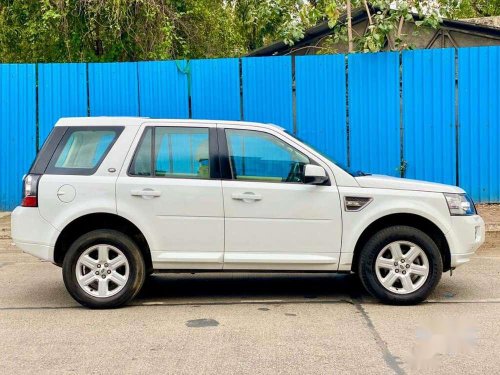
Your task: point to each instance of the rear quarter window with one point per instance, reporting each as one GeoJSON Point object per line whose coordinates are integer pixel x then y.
{"type": "Point", "coordinates": [43, 157]}
{"type": "Point", "coordinates": [82, 150]}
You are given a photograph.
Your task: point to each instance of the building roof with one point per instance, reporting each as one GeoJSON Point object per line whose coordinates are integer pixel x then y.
{"type": "Point", "coordinates": [472, 26]}
{"type": "Point", "coordinates": [493, 21]}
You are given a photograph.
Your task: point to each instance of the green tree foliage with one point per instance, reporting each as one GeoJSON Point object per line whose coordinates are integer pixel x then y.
{"type": "Point", "coordinates": [131, 30]}
{"type": "Point", "coordinates": [116, 30]}
{"type": "Point", "coordinates": [261, 22]}
{"type": "Point", "coordinates": [387, 19]}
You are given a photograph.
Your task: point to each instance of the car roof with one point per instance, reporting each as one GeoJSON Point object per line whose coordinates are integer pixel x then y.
{"type": "Point", "coordinates": [138, 121]}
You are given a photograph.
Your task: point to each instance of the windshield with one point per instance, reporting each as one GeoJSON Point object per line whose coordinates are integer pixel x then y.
{"type": "Point", "coordinates": [340, 165]}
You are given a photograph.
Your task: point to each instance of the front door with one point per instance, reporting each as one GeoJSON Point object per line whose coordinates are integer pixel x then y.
{"type": "Point", "coordinates": [172, 192]}
{"type": "Point", "coordinates": [273, 220]}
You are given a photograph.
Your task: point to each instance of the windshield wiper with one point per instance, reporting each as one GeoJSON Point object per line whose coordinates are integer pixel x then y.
{"type": "Point", "coordinates": [361, 173]}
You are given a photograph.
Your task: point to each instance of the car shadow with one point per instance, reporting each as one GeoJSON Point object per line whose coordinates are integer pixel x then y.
{"type": "Point", "coordinates": [251, 286]}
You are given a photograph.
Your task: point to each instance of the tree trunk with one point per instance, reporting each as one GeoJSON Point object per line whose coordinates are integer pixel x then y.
{"type": "Point", "coordinates": [397, 38]}
{"type": "Point", "coordinates": [349, 26]}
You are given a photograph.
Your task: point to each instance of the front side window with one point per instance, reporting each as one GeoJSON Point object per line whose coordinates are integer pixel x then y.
{"type": "Point", "coordinates": [81, 150]}
{"type": "Point", "coordinates": [258, 156]}
{"type": "Point", "coordinates": [179, 152]}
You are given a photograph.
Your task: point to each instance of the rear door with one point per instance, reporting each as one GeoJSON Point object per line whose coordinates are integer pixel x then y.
{"type": "Point", "coordinates": [172, 191]}
{"type": "Point", "coordinates": [273, 219]}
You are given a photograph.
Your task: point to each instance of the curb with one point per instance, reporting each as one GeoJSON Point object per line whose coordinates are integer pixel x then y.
{"type": "Point", "coordinates": [493, 227]}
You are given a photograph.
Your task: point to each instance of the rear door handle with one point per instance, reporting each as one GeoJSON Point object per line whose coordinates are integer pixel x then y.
{"type": "Point", "coordinates": [247, 197]}
{"type": "Point", "coordinates": [146, 193]}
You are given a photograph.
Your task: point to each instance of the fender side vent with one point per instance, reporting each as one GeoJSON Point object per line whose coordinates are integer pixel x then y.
{"type": "Point", "coordinates": [356, 203]}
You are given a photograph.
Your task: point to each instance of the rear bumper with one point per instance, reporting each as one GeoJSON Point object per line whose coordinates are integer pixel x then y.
{"type": "Point", "coordinates": [40, 251]}
{"type": "Point", "coordinates": [466, 235]}
{"type": "Point", "coordinates": [32, 233]}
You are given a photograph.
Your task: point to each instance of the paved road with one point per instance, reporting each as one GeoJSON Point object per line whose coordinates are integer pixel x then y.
{"type": "Point", "coordinates": [247, 323]}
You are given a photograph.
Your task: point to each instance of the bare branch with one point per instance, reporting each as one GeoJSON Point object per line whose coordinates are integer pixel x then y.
{"type": "Point", "coordinates": [368, 12]}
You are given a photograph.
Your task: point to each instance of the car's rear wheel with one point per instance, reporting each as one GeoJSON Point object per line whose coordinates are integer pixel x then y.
{"type": "Point", "coordinates": [103, 269]}
{"type": "Point", "coordinates": [400, 265]}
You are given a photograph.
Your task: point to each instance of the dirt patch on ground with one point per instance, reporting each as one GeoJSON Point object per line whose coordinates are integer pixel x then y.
{"type": "Point", "coordinates": [5, 227]}
{"type": "Point", "coordinates": [492, 241]}
{"type": "Point", "coordinates": [491, 215]}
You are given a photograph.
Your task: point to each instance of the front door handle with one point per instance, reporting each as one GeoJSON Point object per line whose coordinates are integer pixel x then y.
{"type": "Point", "coordinates": [247, 197]}
{"type": "Point", "coordinates": [146, 193]}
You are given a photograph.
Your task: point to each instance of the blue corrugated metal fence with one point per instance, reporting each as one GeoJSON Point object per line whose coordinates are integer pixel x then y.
{"type": "Point", "coordinates": [17, 129]}
{"type": "Point", "coordinates": [321, 103]}
{"type": "Point", "coordinates": [374, 112]}
{"type": "Point", "coordinates": [427, 114]}
{"type": "Point", "coordinates": [479, 118]}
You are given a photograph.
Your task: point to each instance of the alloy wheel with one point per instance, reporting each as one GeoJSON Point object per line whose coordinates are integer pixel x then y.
{"type": "Point", "coordinates": [402, 267]}
{"type": "Point", "coordinates": [102, 270]}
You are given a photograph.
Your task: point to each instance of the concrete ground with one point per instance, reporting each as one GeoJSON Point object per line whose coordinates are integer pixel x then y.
{"type": "Point", "coordinates": [246, 323]}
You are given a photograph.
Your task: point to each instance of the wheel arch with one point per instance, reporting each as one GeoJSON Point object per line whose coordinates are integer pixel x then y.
{"type": "Point", "coordinates": [101, 220]}
{"type": "Point", "coordinates": [412, 220]}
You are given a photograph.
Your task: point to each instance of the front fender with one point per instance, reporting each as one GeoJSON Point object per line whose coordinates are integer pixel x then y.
{"type": "Point", "coordinates": [429, 205]}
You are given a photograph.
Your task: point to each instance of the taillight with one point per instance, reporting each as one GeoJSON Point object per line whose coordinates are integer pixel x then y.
{"type": "Point", "coordinates": [30, 190]}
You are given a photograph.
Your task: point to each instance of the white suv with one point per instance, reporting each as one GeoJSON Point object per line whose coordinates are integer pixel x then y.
{"type": "Point", "coordinates": [112, 200]}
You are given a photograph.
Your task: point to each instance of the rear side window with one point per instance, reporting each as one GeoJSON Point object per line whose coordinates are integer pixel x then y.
{"type": "Point", "coordinates": [178, 152]}
{"type": "Point", "coordinates": [82, 150]}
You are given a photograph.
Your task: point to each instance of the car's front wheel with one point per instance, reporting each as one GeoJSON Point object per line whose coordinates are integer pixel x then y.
{"type": "Point", "coordinates": [103, 269]}
{"type": "Point", "coordinates": [400, 265]}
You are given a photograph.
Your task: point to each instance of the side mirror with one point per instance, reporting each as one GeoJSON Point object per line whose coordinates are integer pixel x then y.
{"type": "Point", "coordinates": [314, 174]}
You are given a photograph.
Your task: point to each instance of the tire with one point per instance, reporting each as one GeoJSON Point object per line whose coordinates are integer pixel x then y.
{"type": "Point", "coordinates": [84, 263]}
{"type": "Point", "coordinates": [379, 262]}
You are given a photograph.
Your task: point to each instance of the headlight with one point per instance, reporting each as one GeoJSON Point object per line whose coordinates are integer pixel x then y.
{"type": "Point", "coordinates": [460, 204]}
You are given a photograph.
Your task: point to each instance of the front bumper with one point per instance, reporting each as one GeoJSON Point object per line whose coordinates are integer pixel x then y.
{"type": "Point", "coordinates": [466, 235]}
{"type": "Point", "coordinates": [32, 233]}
